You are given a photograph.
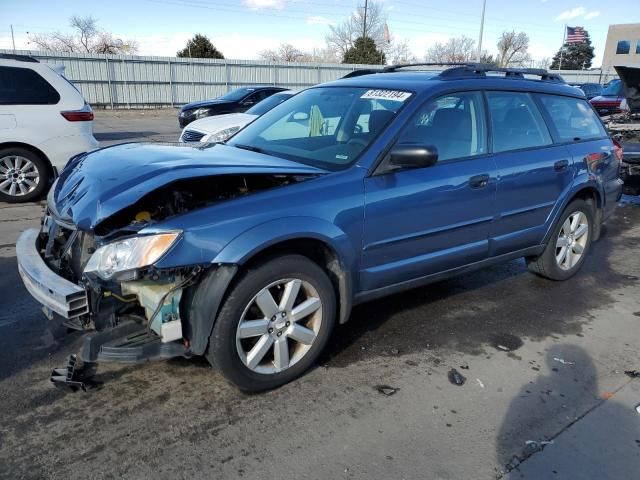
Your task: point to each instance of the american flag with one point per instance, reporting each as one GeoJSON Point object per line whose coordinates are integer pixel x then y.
{"type": "Point", "coordinates": [576, 35]}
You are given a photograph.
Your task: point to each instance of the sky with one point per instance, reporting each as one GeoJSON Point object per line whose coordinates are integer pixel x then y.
{"type": "Point", "coordinates": [241, 29]}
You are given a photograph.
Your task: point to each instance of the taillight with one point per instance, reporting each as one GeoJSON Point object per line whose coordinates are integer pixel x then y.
{"type": "Point", "coordinates": [78, 115]}
{"type": "Point", "coordinates": [617, 150]}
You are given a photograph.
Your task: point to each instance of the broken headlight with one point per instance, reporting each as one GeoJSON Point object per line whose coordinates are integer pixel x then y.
{"type": "Point", "coordinates": [130, 254]}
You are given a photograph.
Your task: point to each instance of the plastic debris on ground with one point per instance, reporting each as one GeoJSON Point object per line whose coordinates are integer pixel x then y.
{"type": "Point", "coordinates": [480, 383]}
{"type": "Point", "coordinates": [638, 408]}
{"type": "Point", "coordinates": [533, 446]}
{"type": "Point", "coordinates": [563, 361]}
{"type": "Point", "coordinates": [456, 378]}
{"type": "Point", "coordinates": [632, 373]}
{"type": "Point", "coordinates": [386, 390]}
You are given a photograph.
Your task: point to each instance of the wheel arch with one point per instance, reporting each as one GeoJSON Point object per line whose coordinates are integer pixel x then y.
{"type": "Point", "coordinates": [326, 245]}
{"type": "Point", "coordinates": [587, 191]}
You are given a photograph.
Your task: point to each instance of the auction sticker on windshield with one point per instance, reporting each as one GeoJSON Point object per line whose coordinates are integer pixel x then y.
{"type": "Point", "coordinates": [393, 95]}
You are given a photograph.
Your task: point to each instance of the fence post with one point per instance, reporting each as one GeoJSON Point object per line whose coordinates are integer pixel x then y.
{"type": "Point", "coordinates": [227, 78]}
{"type": "Point", "coordinates": [170, 83]}
{"type": "Point", "coordinates": [126, 86]}
{"type": "Point", "coordinates": [275, 74]}
{"type": "Point", "coordinates": [109, 82]}
{"type": "Point", "coordinates": [319, 74]}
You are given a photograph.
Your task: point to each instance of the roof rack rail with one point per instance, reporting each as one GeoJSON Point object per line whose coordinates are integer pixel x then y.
{"type": "Point", "coordinates": [480, 70]}
{"type": "Point", "coordinates": [471, 69]}
{"type": "Point", "coordinates": [362, 71]}
{"type": "Point", "coordinates": [394, 68]}
{"type": "Point", "coordinates": [18, 58]}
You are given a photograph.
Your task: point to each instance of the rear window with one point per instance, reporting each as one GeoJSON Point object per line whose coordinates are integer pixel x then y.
{"type": "Point", "coordinates": [572, 118]}
{"type": "Point", "coordinates": [23, 86]}
{"type": "Point", "coordinates": [516, 122]}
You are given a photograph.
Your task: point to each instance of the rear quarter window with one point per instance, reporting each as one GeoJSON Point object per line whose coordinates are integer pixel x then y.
{"type": "Point", "coordinates": [23, 86]}
{"type": "Point", "coordinates": [572, 118]}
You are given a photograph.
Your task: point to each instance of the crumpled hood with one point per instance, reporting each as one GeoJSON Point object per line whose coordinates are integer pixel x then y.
{"type": "Point", "coordinates": [205, 103]}
{"type": "Point", "coordinates": [95, 185]}
{"type": "Point", "coordinates": [630, 77]}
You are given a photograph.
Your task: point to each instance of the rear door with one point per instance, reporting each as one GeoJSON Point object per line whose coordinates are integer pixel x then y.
{"type": "Point", "coordinates": [423, 221]}
{"type": "Point", "coordinates": [533, 171]}
{"type": "Point", "coordinates": [574, 124]}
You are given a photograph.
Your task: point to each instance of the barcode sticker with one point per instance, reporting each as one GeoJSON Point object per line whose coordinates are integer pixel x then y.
{"type": "Point", "coordinates": [393, 95]}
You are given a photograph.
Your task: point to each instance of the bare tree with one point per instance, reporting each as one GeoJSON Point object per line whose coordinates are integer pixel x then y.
{"type": "Point", "coordinates": [87, 37]}
{"type": "Point", "coordinates": [342, 37]}
{"type": "Point", "coordinates": [513, 49]}
{"type": "Point", "coordinates": [456, 50]}
{"type": "Point", "coordinates": [399, 52]}
{"type": "Point", "coordinates": [284, 53]}
{"type": "Point", "coordinates": [542, 63]}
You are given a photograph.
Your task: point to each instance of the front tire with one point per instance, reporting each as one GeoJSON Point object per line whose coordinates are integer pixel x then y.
{"type": "Point", "coordinates": [274, 323]}
{"type": "Point", "coordinates": [569, 243]}
{"type": "Point", "coordinates": [24, 175]}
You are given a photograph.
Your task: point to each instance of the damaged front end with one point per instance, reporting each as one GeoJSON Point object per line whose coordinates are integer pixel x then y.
{"type": "Point", "coordinates": [93, 262]}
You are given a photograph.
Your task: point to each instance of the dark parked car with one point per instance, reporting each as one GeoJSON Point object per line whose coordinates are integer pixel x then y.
{"type": "Point", "coordinates": [590, 90]}
{"type": "Point", "coordinates": [238, 100]}
{"type": "Point", "coordinates": [251, 252]}
{"type": "Point", "coordinates": [608, 102]}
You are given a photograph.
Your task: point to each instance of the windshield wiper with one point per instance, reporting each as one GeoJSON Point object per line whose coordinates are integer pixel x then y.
{"type": "Point", "coordinates": [251, 148]}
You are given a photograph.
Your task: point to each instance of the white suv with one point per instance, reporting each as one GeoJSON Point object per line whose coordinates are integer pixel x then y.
{"type": "Point", "coordinates": [44, 121]}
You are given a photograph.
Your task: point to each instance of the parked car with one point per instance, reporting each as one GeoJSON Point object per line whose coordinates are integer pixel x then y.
{"type": "Point", "coordinates": [590, 90]}
{"type": "Point", "coordinates": [238, 100]}
{"type": "Point", "coordinates": [252, 251]}
{"type": "Point", "coordinates": [44, 121]}
{"type": "Point", "coordinates": [608, 102]}
{"type": "Point", "coordinates": [221, 127]}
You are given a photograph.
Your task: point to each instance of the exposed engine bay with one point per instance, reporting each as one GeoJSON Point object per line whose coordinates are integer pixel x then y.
{"type": "Point", "coordinates": [186, 195]}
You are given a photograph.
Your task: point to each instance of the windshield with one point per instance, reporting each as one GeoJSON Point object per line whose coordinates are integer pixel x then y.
{"type": "Point", "coordinates": [614, 89]}
{"type": "Point", "coordinates": [325, 127]}
{"type": "Point", "coordinates": [268, 103]}
{"type": "Point", "coordinates": [237, 94]}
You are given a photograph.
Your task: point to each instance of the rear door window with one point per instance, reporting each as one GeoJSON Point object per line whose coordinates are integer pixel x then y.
{"type": "Point", "coordinates": [572, 118]}
{"type": "Point", "coordinates": [23, 86]}
{"type": "Point", "coordinates": [454, 124]}
{"type": "Point", "coordinates": [516, 122]}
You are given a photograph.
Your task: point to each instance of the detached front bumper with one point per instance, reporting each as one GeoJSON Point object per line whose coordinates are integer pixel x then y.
{"type": "Point", "coordinates": [55, 293]}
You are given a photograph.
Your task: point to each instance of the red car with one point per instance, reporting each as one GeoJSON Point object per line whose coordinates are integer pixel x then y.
{"type": "Point", "coordinates": [609, 101]}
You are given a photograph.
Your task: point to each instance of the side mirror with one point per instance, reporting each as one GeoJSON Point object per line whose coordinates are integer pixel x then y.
{"type": "Point", "coordinates": [413, 156]}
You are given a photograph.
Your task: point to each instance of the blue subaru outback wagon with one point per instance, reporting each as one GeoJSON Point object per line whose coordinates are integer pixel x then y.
{"type": "Point", "coordinates": [250, 252]}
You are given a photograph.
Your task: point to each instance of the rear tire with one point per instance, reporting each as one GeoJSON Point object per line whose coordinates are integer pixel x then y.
{"type": "Point", "coordinates": [569, 243]}
{"type": "Point", "coordinates": [24, 175]}
{"type": "Point", "coordinates": [261, 340]}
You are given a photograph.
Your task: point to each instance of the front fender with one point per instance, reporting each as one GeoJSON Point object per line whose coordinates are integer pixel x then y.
{"type": "Point", "coordinates": [253, 241]}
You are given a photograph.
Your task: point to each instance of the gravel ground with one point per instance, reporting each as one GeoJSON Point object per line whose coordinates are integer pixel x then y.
{"type": "Point", "coordinates": [543, 362]}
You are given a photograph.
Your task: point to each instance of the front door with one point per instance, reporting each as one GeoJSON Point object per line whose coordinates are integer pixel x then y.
{"type": "Point", "coordinates": [423, 221]}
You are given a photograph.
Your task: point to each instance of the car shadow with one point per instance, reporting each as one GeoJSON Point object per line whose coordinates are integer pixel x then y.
{"type": "Point", "coordinates": [467, 313]}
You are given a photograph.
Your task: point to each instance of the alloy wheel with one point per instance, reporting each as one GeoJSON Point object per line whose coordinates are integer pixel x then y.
{"type": "Point", "coordinates": [572, 240]}
{"type": "Point", "coordinates": [279, 326]}
{"type": "Point", "coordinates": [18, 175]}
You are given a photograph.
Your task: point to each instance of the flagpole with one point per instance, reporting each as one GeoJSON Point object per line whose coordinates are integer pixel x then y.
{"type": "Point", "coordinates": [564, 39]}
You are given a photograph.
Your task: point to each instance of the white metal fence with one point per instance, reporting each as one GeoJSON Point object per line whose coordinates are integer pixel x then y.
{"type": "Point", "coordinates": [127, 81]}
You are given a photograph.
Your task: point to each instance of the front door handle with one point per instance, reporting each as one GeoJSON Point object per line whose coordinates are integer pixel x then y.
{"type": "Point", "coordinates": [479, 181]}
{"type": "Point", "coordinates": [561, 165]}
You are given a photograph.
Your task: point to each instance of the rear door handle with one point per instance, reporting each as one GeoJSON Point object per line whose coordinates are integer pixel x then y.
{"type": "Point", "coordinates": [479, 181]}
{"type": "Point", "coordinates": [561, 165]}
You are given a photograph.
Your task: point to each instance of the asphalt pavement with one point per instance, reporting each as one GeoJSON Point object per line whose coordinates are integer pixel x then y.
{"type": "Point", "coordinates": [545, 394]}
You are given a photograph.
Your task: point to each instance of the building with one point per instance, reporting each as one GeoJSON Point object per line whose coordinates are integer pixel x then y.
{"type": "Point", "coordinates": [623, 46]}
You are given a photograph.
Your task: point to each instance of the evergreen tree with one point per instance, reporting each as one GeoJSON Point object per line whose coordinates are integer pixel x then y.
{"type": "Point", "coordinates": [364, 51]}
{"type": "Point", "coordinates": [200, 47]}
{"type": "Point", "coordinates": [575, 56]}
